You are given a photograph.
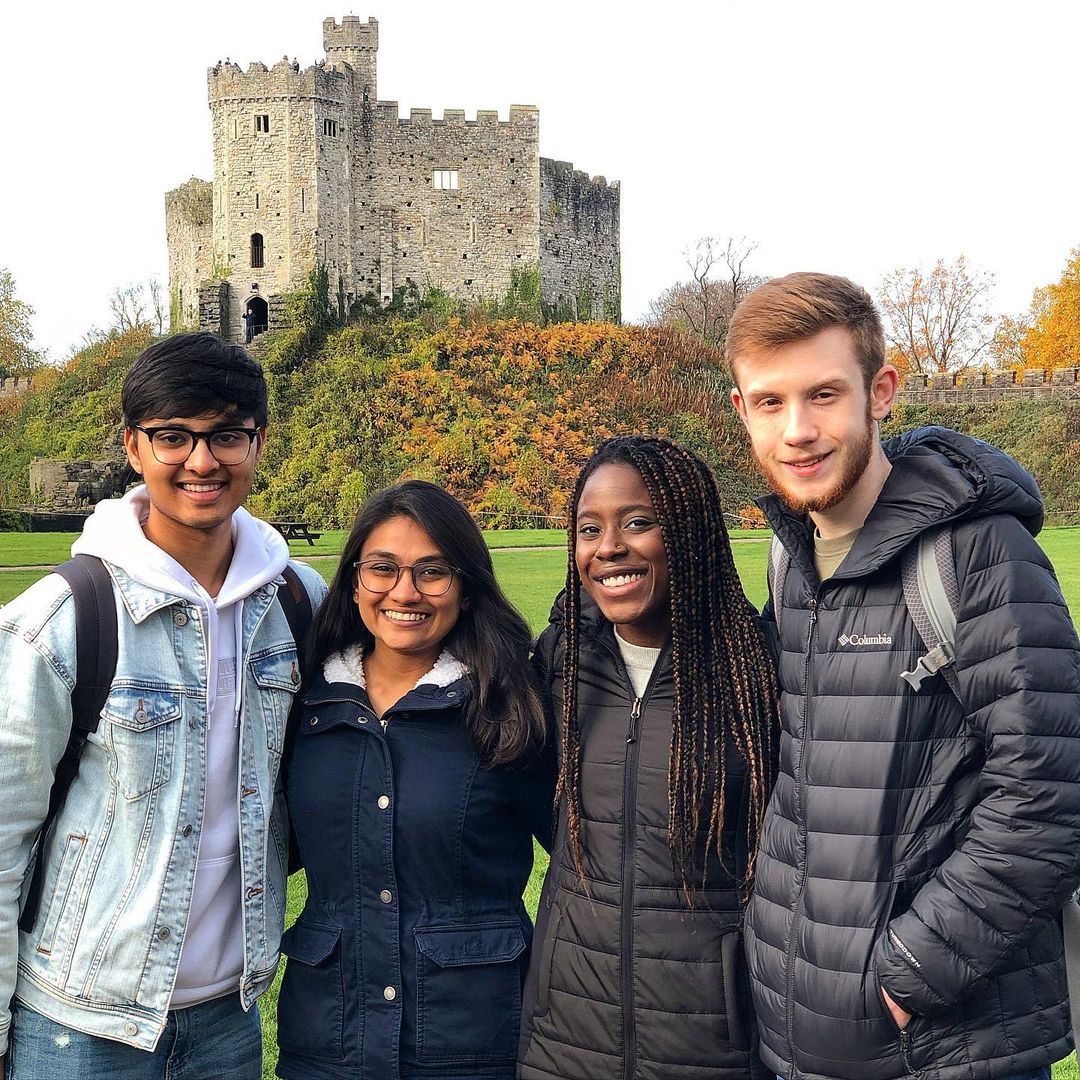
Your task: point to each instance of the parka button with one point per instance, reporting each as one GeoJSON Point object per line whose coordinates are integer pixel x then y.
{"type": "Point", "coordinates": [386, 896]}
{"type": "Point", "coordinates": [131, 1029]}
{"type": "Point", "coordinates": [384, 801]}
{"type": "Point", "coordinates": [389, 993]}
{"type": "Point", "coordinates": [163, 934]}
{"type": "Point", "coordinates": [187, 830]}
{"type": "Point", "coordinates": [140, 715]}
{"type": "Point", "coordinates": [180, 618]}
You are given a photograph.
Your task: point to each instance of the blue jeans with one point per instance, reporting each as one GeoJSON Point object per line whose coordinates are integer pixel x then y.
{"type": "Point", "coordinates": [213, 1041]}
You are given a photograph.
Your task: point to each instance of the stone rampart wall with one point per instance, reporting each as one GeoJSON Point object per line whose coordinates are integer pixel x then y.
{"type": "Point", "coordinates": [17, 384]}
{"type": "Point", "coordinates": [71, 485]}
{"type": "Point", "coordinates": [579, 240]}
{"type": "Point", "coordinates": [982, 387]}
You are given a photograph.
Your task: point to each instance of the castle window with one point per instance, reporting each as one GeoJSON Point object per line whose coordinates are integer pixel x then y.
{"type": "Point", "coordinates": [256, 200]}
{"type": "Point", "coordinates": [445, 179]}
{"type": "Point", "coordinates": [329, 127]}
{"type": "Point", "coordinates": [257, 254]}
{"type": "Point", "coordinates": [472, 232]}
{"type": "Point", "coordinates": [262, 124]}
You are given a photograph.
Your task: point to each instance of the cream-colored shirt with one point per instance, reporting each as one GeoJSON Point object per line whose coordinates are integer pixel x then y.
{"type": "Point", "coordinates": [639, 662]}
{"type": "Point", "coordinates": [829, 554]}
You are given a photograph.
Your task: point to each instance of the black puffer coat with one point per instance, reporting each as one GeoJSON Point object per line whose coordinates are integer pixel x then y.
{"type": "Point", "coordinates": [629, 983]}
{"type": "Point", "coordinates": [908, 845]}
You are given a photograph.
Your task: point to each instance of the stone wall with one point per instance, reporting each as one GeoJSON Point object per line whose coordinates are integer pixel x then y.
{"type": "Point", "coordinates": [70, 485]}
{"type": "Point", "coordinates": [466, 239]}
{"type": "Point", "coordinates": [189, 213]}
{"type": "Point", "coordinates": [579, 241]}
{"type": "Point", "coordinates": [981, 388]}
{"type": "Point", "coordinates": [16, 384]}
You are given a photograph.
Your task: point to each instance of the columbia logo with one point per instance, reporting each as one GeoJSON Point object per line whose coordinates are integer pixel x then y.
{"type": "Point", "coordinates": [865, 639]}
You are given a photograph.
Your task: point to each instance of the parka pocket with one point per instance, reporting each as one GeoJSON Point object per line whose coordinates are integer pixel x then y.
{"type": "Point", "coordinates": [311, 1005]}
{"type": "Point", "coordinates": [468, 992]}
{"type": "Point", "coordinates": [736, 990]}
{"type": "Point", "coordinates": [546, 959]}
{"type": "Point", "coordinates": [140, 734]}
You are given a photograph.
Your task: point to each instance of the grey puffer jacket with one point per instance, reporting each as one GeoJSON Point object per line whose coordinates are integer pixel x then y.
{"type": "Point", "coordinates": [628, 982]}
{"type": "Point", "coordinates": [911, 844]}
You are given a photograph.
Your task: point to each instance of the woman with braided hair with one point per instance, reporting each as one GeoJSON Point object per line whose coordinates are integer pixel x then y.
{"type": "Point", "coordinates": [658, 676]}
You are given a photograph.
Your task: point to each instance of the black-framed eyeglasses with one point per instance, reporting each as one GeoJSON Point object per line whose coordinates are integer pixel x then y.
{"type": "Point", "coordinates": [174, 445]}
{"type": "Point", "coordinates": [379, 575]}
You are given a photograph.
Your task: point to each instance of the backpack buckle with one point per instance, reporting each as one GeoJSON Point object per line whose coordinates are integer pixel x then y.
{"type": "Point", "coordinates": [940, 656]}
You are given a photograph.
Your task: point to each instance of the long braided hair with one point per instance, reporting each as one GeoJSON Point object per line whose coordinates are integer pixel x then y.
{"type": "Point", "coordinates": [725, 682]}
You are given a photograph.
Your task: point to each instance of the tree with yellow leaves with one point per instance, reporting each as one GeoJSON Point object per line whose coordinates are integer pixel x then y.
{"type": "Point", "coordinates": [1053, 340]}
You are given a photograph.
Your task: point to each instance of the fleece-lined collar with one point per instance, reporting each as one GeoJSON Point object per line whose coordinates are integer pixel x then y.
{"type": "Point", "coordinates": [347, 666]}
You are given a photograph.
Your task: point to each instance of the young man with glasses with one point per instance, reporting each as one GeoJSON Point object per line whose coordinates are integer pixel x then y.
{"type": "Point", "coordinates": [164, 869]}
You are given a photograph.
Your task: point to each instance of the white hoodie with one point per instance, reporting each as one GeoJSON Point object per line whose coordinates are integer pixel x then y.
{"type": "Point", "coordinates": [211, 958]}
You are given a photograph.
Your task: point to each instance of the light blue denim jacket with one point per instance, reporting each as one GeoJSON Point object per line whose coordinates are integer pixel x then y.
{"type": "Point", "coordinates": [121, 858]}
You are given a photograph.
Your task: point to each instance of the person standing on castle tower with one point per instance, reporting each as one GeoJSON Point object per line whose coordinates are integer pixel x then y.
{"type": "Point", "coordinates": [164, 868]}
{"type": "Point", "coordinates": [924, 831]}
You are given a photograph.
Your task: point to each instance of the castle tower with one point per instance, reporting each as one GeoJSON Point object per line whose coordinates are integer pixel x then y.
{"type": "Point", "coordinates": [281, 177]}
{"type": "Point", "coordinates": [356, 44]}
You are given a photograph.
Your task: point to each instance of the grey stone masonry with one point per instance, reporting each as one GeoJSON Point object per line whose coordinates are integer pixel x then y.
{"type": "Point", "coordinates": [311, 167]}
{"type": "Point", "coordinates": [15, 384]}
{"type": "Point", "coordinates": [70, 485]}
{"type": "Point", "coordinates": [981, 388]}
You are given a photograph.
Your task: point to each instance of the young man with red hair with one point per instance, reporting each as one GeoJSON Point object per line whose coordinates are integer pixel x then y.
{"type": "Point", "coordinates": [919, 845]}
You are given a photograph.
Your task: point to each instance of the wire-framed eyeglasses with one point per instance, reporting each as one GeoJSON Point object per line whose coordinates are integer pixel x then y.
{"type": "Point", "coordinates": [174, 445]}
{"type": "Point", "coordinates": [379, 575]}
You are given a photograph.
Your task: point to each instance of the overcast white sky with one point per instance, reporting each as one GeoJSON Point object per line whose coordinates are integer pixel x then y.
{"type": "Point", "coordinates": [845, 137]}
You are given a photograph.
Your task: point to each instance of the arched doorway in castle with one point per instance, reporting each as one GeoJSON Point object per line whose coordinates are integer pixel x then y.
{"type": "Point", "coordinates": [256, 317]}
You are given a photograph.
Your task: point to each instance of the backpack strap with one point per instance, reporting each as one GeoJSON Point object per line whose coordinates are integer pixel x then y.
{"type": "Point", "coordinates": [779, 564]}
{"type": "Point", "coordinates": [296, 604]}
{"type": "Point", "coordinates": [932, 595]}
{"type": "Point", "coordinates": [95, 666]}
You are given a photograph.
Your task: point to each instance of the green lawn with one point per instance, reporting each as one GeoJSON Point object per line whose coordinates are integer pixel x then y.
{"type": "Point", "coordinates": [531, 580]}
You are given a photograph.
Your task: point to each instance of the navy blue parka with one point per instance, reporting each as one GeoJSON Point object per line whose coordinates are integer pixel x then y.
{"type": "Point", "coordinates": [409, 957]}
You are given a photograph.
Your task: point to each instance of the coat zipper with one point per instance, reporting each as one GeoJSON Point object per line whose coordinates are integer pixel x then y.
{"type": "Point", "coordinates": [627, 906]}
{"type": "Point", "coordinates": [800, 778]}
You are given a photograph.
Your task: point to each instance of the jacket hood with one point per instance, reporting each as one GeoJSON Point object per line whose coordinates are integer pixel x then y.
{"type": "Point", "coordinates": [938, 477]}
{"type": "Point", "coordinates": [114, 533]}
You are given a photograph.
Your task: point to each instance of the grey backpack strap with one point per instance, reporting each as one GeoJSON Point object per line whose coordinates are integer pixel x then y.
{"type": "Point", "coordinates": [931, 593]}
{"type": "Point", "coordinates": [779, 562]}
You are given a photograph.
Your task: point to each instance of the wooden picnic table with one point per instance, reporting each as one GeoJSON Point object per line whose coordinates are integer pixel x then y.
{"type": "Point", "coordinates": [296, 530]}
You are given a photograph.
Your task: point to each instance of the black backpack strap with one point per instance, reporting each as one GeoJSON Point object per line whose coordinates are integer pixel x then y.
{"type": "Point", "coordinates": [95, 666]}
{"type": "Point", "coordinates": [296, 604]}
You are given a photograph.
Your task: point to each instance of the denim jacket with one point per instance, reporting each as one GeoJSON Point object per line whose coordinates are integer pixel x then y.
{"type": "Point", "coordinates": [121, 856]}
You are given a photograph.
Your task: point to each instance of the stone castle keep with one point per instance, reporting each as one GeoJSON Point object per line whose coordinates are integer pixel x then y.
{"type": "Point", "coordinates": [310, 167]}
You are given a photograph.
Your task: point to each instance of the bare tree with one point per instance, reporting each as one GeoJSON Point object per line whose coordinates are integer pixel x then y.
{"type": "Point", "coordinates": [128, 307]}
{"type": "Point", "coordinates": [704, 304]}
{"type": "Point", "coordinates": [938, 320]}
{"type": "Point", "coordinates": [158, 305]}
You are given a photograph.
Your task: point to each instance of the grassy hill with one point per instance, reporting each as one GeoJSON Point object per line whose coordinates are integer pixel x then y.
{"type": "Point", "coordinates": [500, 411]}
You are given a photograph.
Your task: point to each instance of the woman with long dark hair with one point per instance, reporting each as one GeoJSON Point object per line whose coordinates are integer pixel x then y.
{"type": "Point", "coordinates": [667, 703]}
{"type": "Point", "coordinates": [415, 783]}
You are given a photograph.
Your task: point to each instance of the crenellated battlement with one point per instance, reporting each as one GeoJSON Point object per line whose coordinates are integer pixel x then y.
{"type": "Point", "coordinates": [349, 34]}
{"type": "Point", "coordinates": [286, 79]}
{"type": "Point", "coordinates": [521, 118]}
{"type": "Point", "coordinates": [981, 387]}
{"type": "Point", "coordinates": [564, 171]}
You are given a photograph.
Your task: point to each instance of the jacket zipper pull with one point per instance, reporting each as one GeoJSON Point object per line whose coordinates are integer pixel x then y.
{"type": "Point", "coordinates": [635, 715]}
{"type": "Point", "coordinates": [384, 722]}
{"type": "Point", "coordinates": [813, 620]}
